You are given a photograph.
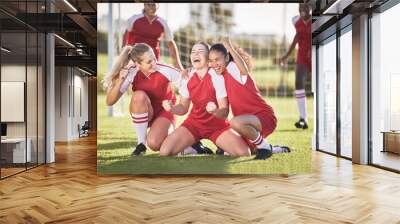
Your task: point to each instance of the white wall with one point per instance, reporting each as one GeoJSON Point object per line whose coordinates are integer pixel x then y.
{"type": "Point", "coordinates": [62, 81]}
{"type": "Point", "coordinates": [14, 73]}
{"type": "Point", "coordinates": [33, 126]}
{"type": "Point", "coordinates": [80, 108]}
{"type": "Point", "coordinates": [17, 73]}
{"type": "Point", "coordinates": [71, 94]}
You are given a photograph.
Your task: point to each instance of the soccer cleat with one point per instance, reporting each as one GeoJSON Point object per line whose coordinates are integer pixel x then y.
{"type": "Point", "coordinates": [263, 154]}
{"type": "Point", "coordinates": [280, 149]}
{"type": "Point", "coordinates": [301, 124]}
{"type": "Point", "coordinates": [219, 151]}
{"type": "Point", "coordinates": [201, 149]}
{"type": "Point", "coordinates": [139, 150]}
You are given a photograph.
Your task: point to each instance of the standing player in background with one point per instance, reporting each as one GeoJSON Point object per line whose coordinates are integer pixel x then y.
{"type": "Point", "coordinates": [148, 28]}
{"type": "Point", "coordinates": [302, 24]}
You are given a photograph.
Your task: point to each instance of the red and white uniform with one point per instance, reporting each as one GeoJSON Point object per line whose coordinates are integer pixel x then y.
{"type": "Point", "coordinates": [201, 91]}
{"type": "Point", "coordinates": [157, 86]}
{"type": "Point", "coordinates": [141, 30]}
{"type": "Point", "coordinates": [245, 99]}
{"type": "Point", "coordinates": [303, 38]}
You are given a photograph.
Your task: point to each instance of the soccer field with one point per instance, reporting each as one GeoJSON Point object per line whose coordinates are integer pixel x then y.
{"type": "Point", "coordinates": [116, 138]}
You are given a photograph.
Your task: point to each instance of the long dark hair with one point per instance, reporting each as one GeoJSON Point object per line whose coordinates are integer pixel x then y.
{"type": "Point", "coordinates": [245, 56]}
{"type": "Point", "coordinates": [221, 48]}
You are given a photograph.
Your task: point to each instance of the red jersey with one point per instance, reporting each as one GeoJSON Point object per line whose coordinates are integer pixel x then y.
{"type": "Point", "coordinates": [303, 38]}
{"type": "Point", "coordinates": [243, 94]}
{"type": "Point", "coordinates": [141, 30]}
{"type": "Point", "coordinates": [157, 85]}
{"type": "Point", "coordinates": [201, 91]}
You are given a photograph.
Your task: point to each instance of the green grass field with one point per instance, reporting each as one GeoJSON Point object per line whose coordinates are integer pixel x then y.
{"type": "Point", "coordinates": [116, 138]}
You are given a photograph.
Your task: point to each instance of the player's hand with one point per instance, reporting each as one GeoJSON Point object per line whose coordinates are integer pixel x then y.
{"type": "Point", "coordinates": [123, 73]}
{"type": "Point", "coordinates": [211, 107]}
{"type": "Point", "coordinates": [282, 61]}
{"type": "Point", "coordinates": [167, 105]}
{"type": "Point", "coordinates": [226, 41]}
{"type": "Point", "coordinates": [127, 48]}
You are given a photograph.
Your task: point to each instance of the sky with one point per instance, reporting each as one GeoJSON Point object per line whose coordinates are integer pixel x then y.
{"type": "Point", "coordinates": [269, 17]}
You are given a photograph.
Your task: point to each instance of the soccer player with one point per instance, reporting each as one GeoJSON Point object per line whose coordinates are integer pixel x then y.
{"type": "Point", "coordinates": [151, 83]}
{"type": "Point", "coordinates": [205, 89]}
{"type": "Point", "coordinates": [149, 28]}
{"type": "Point", "coordinates": [252, 118]}
{"type": "Point", "coordinates": [302, 24]}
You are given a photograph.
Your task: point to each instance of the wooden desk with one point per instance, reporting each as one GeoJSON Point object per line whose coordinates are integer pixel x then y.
{"type": "Point", "coordinates": [391, 141]}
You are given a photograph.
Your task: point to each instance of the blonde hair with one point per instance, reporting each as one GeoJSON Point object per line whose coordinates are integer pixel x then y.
{"type": "Point", "coordinates": [206, 46]}
{"type": "Point", "coordinates": [138, 50]}
{"type": "Point", "coordinates": [121, 61]}
{"type": "Point", "coordinates": [128, 53]}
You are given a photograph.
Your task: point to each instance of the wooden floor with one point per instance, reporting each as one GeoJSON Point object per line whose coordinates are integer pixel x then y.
{"type": "Point", "coordinates": [70, 191]}
{"type": "Point", "coordinates": [10, 171]}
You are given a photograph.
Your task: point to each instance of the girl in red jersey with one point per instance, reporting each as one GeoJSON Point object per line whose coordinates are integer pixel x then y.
{"type": "Point", "coordinates": [205, 89]}
{"type": "Point", "coordinates": [151, 83]}
{"type": "Point", "coordinates": [302, 24]}
{"type": "Point", "coordinates": [149, 28]}
{"type": "Point", "coordinates": [253, 118]}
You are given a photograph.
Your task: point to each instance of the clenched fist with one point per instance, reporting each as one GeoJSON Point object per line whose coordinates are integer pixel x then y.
{"type": "Point", "coordinates": [167, 105]}
{"type": "Point", "coordinates": [211, 107]}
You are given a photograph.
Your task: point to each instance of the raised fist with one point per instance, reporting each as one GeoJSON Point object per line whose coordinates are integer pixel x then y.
{"type": "Point", "coordinates": [211, 107]}
{"type": "Point", "coordinates": [123, 73]}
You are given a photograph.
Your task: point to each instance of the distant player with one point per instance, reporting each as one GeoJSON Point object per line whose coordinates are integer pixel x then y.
{"type": "Point", "coordinates": [302, 24]}
{"type": "Point", "coordinates": [149, 28]}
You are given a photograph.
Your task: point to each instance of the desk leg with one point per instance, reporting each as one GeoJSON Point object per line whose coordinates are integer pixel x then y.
{"type": "Point", "coordinates": [384, 142]}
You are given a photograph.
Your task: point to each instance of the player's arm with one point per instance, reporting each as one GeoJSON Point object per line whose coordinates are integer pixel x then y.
{"type": "Point", "coordinates": [184, 102]}
{"type": "Point", "coordinates": [222, 110]}
{"type": "Point", "coordinates": [244, 70]}
{"type": "Point", "coordinates": [173, 50]}
{"type": "Point", "coordinates": [119, 78]}
{"type": "Point", "coordinates": [292, 46]}
{"type": "Point", "coordinates": [114, 93]}
{"type": "Point", "coordinates": [179, 109]}
{"type": "Point", "coordinates": [246, 57]}
{"type": "Point", "coordinates": [124, 38]}
{"type": "Point", "coordinates": [283, 59]}
{"type": "Point", "coordinates": [120, 85]}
